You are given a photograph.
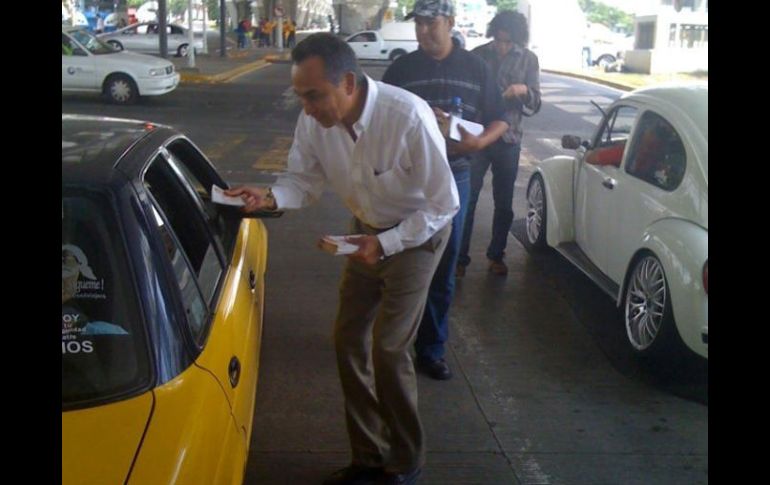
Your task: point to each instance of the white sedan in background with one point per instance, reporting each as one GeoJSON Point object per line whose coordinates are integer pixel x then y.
{"type": "Point", "coordinates": [630, 209]}
{"type": "Point", "coordinates": [145, 37]}
{"type": "Point", "coordinates": [90, 65]}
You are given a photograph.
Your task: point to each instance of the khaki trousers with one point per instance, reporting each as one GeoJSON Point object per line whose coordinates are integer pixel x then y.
{"type": "Point", "coordinates": [379, 313]}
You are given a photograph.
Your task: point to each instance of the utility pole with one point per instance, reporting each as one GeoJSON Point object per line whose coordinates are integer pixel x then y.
{"type": "Point", "coordinates": [222, 19]}
{"type": "Point", "coordinates": [205, 49]}
{"type": "Point", "coordinates": [190, 35]}
{"type": "Point", "coordinates": [162, 14]}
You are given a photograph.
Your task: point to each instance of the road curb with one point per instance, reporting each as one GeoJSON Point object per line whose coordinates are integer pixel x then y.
{"type": "Point", "coordinates": [622, 87]}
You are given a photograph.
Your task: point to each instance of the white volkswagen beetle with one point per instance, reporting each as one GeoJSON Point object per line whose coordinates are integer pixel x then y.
{"type": "Point", "coordinates": [88, 64]}
{"type": "Point", "coordinates": [630, 209]}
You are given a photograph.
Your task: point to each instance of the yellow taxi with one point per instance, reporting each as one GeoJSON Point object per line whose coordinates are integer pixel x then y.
{"type": "Point", "coordinates": [162, 309]}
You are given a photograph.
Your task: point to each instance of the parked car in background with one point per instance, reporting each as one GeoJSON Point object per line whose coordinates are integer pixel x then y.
{"type": "Point", "coordinates": [90, 65]}
{"type": "Point", "coordinates": [145, 37]}
{"type": "Point", "coordinates": [162, 308]}
{"type": "Point", "coordinates": [630, 209]}
{"type": "Point", "coordinates": [393, 43]}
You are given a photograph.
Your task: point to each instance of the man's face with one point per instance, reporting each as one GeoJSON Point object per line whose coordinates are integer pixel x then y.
{"type": "Point", "coordinates": [434, 33]}
{"type": "Point", "coordinates": [503, 43]}
{"type": "Point", "coordinates": [321, 99]}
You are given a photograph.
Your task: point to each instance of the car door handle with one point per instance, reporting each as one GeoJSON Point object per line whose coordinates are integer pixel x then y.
{"type": "Point", "coordinates": [234, 371]}
{"type": "Point", "coordinates": [252, 279]}
{"type": "Point", "coordinates": [609, 182]}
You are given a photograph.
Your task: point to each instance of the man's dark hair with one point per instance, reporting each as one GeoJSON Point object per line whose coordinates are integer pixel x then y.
{"type": "Point", "coordinates": [336, 54]}
{"type": "Point", "coordinates": [513, 23]}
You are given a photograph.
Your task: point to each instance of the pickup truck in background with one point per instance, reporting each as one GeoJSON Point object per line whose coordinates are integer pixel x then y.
{"type": "Point", "coordinates": [370, 44]}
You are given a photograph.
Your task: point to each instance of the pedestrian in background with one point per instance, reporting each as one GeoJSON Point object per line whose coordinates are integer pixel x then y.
{"type": "Point", "coordinates": [517, 72]}
{"type": "Point", "coordinates": [439, 71]}
{"type": "Point", "coordinates": [379, 147]}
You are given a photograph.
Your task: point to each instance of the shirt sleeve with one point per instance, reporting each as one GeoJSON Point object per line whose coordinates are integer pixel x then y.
{"type": "Point", "coordinates": [429, 166]}
{"type": "Point", "coordinates": [532, 80]}
{"type": "Point", "coordinates": [304, 180]}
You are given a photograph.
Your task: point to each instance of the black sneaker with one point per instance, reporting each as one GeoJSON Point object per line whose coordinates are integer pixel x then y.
{"type": "Point", "coordinates": [355, 475]}
{"type": "Point", "coordinates": [437, 369]}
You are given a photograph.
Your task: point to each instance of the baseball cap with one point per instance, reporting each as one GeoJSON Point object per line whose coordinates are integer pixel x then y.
{"type": "Point", "coordinates": [432, 8]}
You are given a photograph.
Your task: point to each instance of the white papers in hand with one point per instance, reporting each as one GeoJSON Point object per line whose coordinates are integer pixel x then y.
{"type": "Point", "coordinates": [337, 245]}
{"type": "Point", "coordinates": [471, 127]}
{"type": "Point", "coordinates": [218, 196]}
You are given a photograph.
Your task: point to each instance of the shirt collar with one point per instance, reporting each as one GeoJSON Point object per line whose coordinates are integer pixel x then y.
{"type": "Point", "coordinates": [371, 99]}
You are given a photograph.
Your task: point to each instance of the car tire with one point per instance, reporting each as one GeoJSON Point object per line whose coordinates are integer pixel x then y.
{"type": "Point", "coordinates": [182, 50]}
{"type": "Point", "coordinates": [117, 45]}
{"type": "Point", "coordinates": [396, 54]}
{"type": "Point", "coordinates": [605, 60]}
{"type": "Point", "coordinates": [121, 89]}
{"type": "Point", "coordinates": [537, 212]}
{"type": "Point", "coordinates": [649, 317]}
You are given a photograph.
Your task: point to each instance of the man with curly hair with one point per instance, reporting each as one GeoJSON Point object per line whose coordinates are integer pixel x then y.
{"type": "Point", "coordinates": [517, 72]}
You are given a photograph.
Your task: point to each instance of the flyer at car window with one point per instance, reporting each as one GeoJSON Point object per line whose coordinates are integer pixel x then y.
{"type": "Point", "coordinates": [218, 196]}
{"type": "Point", "coordinates": [338, 245]}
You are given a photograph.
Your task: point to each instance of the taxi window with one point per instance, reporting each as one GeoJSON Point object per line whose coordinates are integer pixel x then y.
{"type": "Point", "coordinates": [104, 353]}
{"type": "Point", "coordinates": [187, 229]}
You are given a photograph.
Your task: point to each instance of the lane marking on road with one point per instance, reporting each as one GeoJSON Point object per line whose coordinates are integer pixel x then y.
{"type": "Point", "coordinates": [276, 157]}
{"type": "Point", "coordinates": [248, 68]}
{"type": "Point", "coordinates": [220, 149]}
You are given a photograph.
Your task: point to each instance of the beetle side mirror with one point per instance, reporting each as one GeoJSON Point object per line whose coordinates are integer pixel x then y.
{"type": "Point", "coordinates": [571, 142]}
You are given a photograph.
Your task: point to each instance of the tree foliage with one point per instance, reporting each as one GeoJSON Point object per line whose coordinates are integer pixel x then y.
{"type": "Point", "coordinates": [601, 13]}
{"type": "Point", "coordinates": [504, 4]}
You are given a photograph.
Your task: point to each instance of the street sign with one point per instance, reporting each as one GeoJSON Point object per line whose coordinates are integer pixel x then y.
{"type": "Point", "coordinates": [278, 11]}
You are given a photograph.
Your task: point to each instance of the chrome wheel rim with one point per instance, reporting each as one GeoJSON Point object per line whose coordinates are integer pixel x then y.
{"type": "Point", "coordinates": [645, 303]}
{"type": "Point", "coordinates": [534, 211]}
{"type": "Point", "coordinates": [183, 51]}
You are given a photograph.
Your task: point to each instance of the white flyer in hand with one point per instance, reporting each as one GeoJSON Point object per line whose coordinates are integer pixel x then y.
{"type": "Point", "coordinates": [219, 197]}
{"type": "Point", "coordinates": [337, 245]}
{"type": "Point", "coordinates": [471, 127]}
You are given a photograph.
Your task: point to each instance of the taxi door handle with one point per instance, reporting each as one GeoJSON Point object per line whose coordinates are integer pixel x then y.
{"type": "Point", "coordinates": [252, 280]}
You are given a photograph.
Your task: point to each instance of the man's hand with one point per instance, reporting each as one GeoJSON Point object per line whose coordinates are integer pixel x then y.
{"type": "Point", "coordinates": [468, 143]}
{"type": "Point", "coordinates": [443, 122]}
{"type": "Point", "coordinates": [254, 198]}
{"type": "Point", "coordinates": [515, 91]}
{"type": "Point", "coordinates": [369, 249]}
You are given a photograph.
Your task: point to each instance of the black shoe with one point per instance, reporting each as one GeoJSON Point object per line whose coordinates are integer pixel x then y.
{"type": "Point", "coordinates": [355, 475]}
{"type": "Point", "coordinates": [437, 369]}
{"type": "Point", "coordinates": [407, 478]}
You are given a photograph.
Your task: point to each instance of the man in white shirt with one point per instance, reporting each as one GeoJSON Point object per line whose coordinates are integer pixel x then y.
{"type": "Point", "coordinates": [380, 149]}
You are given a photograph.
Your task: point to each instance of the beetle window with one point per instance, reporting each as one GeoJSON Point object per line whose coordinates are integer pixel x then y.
{"type": "Point", "coordinates": [104, 355]}
{"type": "Point", "coordinates": [617, 127]}
{"type": "Point", "coordinates": [657, 155]}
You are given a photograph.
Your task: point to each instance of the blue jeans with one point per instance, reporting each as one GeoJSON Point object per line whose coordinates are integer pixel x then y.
{"type": "Point", "coordinates": [504, 159]}
{"type": "Point", "coordinates": [434, 327]}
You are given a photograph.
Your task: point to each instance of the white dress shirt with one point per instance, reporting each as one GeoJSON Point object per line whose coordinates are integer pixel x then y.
{"type": "Point", "coordinates": [395, 175]}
